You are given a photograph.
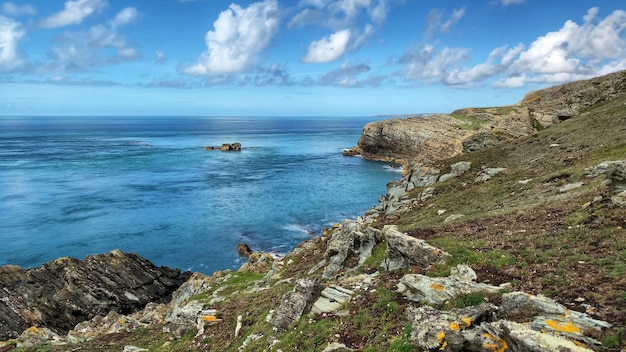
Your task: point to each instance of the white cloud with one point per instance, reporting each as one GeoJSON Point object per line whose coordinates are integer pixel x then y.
{"type": "Point", "coordinates": [511, 2]}
{"type": "Point", "coordinates": [15, 10]}
{"type": "Point", "coordinates": [431, 64]}
{"type": "Point", "coordinates": [498, 61]}
{"type": "Point", "coordinates": [100, 45]}
{"type": "Point", "coordinates": [73, 13]}
{"type": "Point", "coordinates": [10, 34]}
{"type": "Point", "coordinates": [345, 75]}
{"type": "Point", "coordinates": [239, 35]}
{"type": "Point", "coordinates": [124, 17]}
{"type": "Point", "coordinates": [575, 50]}
{"type": "Point", "coordinates": [329, 48]}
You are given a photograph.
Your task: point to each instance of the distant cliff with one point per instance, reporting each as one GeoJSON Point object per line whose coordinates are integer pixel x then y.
{"type": "Point", "coordinates": [440, 136]}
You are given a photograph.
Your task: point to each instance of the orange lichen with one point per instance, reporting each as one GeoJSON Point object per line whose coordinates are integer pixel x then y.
{"type": "Point", "coordinates": [32, 329]}
{"type": "Point", "coordinates": [455, 327]}
{"type": "Point", "coordinates": [567, 327]}
{"type": "Point", "coordinates": [440, 336]}
{"type": "Point", "coordinates": [209, 318]}
{"type": "Point", "coordinates": [436, 287]}
{"type": "Point", "coordinates": [467, 321]}
{"type": "Point", "coordinates": [498, 344]}
{"type": "Point", "coordinates": [443, 347]}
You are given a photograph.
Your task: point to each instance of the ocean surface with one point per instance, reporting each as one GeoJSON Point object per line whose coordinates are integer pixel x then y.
{"type": "Point", "coordinates": [75, 186]}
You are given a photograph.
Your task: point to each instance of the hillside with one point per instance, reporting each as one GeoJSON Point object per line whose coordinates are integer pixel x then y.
{"type": "Point", "coordinates": [515, 244]}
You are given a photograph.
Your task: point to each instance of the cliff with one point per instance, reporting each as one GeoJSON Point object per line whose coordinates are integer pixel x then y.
{"type": "Point", "coordinates": [519, 247]}
{"type": "Point", "coordinates": [440, 136]}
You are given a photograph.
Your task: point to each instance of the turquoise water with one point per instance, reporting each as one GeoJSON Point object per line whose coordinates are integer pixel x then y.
{"type": "Point", "coordinates": [84, 185]}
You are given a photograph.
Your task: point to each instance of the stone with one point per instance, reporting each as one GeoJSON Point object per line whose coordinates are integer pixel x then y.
{"type": "Point", "coordinates": [463, 272]}
{"type": "Point", "coordinates": [452, 218]}
{"type": "Point", "coordinates": [487, 173]}
{"type": "Point", "coordinates": [404, 251]}
{"type": "Point", "coordinates": [258, 262]}
{"type": "Point", "coordinates": [130, 348]}
{"type": "Point", "coordinates": [337, 347]}
{"type": "Point", "coordinates": [546, 314]}
{"type": "Point", "coordinates": [244, 250]}
{"type": "Point", "coordinates": [570, 186]}
{"type": "Point", "coordinates": [456, 169]}
{"type": "Point", "coordinates": [332, 298]}
{"type": "Point", "coordinates": [34, 336]}
{"type": "Point", "coordinates": [438, 290]}
{"type": "Point", "coordinates": [293, 304]}
{"type": "Point", "coordinates": [183, 319]}
{"type": "Point", "coordinates": [353, 239]}
{"type": "Point", "coordinates": [524, 338]}
{"type": "Point", "coordinates": [443, 330]}
{"type": "Point", "coordinates": [67, 291]}
{"type": "Point", "coordinates": [619, 199]}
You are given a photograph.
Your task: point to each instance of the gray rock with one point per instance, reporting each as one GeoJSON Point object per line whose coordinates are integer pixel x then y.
{"type": "Point", "coordinates": [487, 173]}
{"type": "Point", "coordinates": [456, 169]}
{"type": "Point", "coordinates": [404, 250]}
{"type": "Point", "coordinates": [521, 337]}
{"type": "Point", "coordinates": [66, 291]}
{"type": "Point", "coordinates": [337, 347]}
{"type": "Point", "coordinates": [293, 304]}
{"type": "Point", "coordinates": [619, 199]}
{"type": "Point", "coordinates": [463, 273]}
{"type": "Point", "coordinates": [545, 314]}
{"type": "Point", "coordinates": [332, 298]}
{"type": "Point", "coordinates": [452, 218]}
{"type": "Point", "coordinates": [571, 186]}
{"type": "Point", "coordinates": [352, 239]}
{"type": "Point", "coordinates": [438, 290]}
{"type": "Point", "coordinates": [422, 176]}
{"type": "Point", "coordinates": [435, 329]}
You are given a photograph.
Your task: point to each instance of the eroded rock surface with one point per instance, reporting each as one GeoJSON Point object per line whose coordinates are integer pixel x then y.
{"type": "Point", "coordinates": [67, 291]}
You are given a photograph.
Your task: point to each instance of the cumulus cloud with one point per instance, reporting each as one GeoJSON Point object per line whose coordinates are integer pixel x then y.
{"type": "Point", "coordinates": [73, 13]}
{"type": "Point", "coordinates": [239, 35]}
{"type": "Point", "coordinates": [329, 48]}
{"type": "Point", "coordinates": [574, 51]}
{"type": "Point", "coordinates": [10, 34]}
{"type": "Point", "coordinates": [12, 9]}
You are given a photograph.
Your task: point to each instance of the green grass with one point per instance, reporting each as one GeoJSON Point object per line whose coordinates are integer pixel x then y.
{"type": "Point", "coordinates": [469, 123]}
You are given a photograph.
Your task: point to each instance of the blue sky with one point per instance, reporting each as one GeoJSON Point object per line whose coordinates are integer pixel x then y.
{"type": "Point", "coordinates": [301, 58]}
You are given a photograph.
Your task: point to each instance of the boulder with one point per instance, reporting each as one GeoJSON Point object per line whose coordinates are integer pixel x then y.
{"type": "Point", "coordinates": [352, 240]}
{"type": "Point", "coordinates": [244, 250]}
{"type": "Point", "coordinates": [66, 291]}
{"type": "Point", "coordinates": [443, 330]}
{"type": "Point", "coordinates": [456, 169]}
{"type": "Point", "coordinates": [438, 290]}
{"type": "Point", "coordinates": [293, 304]}
{"type": "Point", "coordinates": [487, 173]}
{"type": "Point", "coordinates": [258, 262]}
{"type": "Point", "coordinates": [404, 251]}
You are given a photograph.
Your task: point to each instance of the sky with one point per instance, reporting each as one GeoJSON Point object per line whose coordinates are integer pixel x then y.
{"type": "Point", "coordinates": [296, 58]}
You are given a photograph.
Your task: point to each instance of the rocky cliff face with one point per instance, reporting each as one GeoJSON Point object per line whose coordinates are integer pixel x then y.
{"type": "Point", "coordinates": [555, 104]}
{"type": "Point", "coordinates": [440, 136]}
{"type": "Point", "coordinates": [67, 291]}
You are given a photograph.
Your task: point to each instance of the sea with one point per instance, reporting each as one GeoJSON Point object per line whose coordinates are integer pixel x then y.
{"type": "Point", "coordinates": [78, 186]}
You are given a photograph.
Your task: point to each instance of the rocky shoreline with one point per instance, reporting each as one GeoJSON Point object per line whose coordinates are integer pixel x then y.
{"type": "Point", "coordinates": [367, 281]}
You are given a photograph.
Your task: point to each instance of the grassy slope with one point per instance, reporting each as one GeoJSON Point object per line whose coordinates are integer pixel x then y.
{"type": "Point", "coordinates": [532, 235]}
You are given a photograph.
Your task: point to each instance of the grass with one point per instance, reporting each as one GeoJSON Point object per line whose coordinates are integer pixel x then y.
{"type": "Point", "coordinates": [469, 123]}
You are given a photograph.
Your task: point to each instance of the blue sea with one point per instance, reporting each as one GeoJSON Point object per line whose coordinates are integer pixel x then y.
{"type": "Point", "coordinates": [75, 186]}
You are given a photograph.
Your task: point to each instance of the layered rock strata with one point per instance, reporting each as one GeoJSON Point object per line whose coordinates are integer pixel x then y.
{"type": "Point", "coordinates": [67, 291]}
